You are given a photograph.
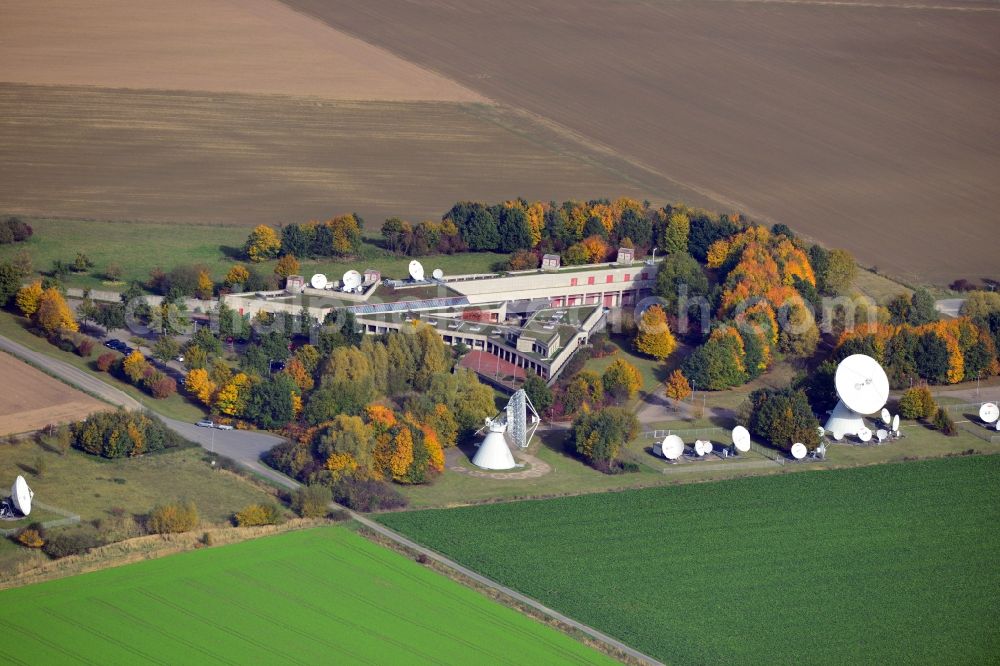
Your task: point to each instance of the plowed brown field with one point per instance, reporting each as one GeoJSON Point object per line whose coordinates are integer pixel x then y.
{"type": "Point", "coordinates": [867, 125]}
{"type": "Point", "coordinates": [31, 399]}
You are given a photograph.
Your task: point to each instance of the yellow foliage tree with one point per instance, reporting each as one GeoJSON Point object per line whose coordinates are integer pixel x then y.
{"type": "Point", "coordinates": [380, 415]}
{"type": "Point", "coordinates": [205, 285]}
{"type": "Point", "coordinates": [262, 244]}
{"type": "Point", "coordinates": [621, 379]}
{"type": "Point", "coordinates": [434, 449]}
{"type": "Point", "coordinates": [232, 398]}
{"type": "Point", "coordinates": [296, 404]}
{"type": "Point", "coordinates": [53, 313]}
{"type": "Point", "coordinates": [134, 365]}
{"type": "Point", "coordinates": [287, 265]}
{"type": "Point", "coordinates": [654, 337]}
{"type": "Point", "coordinates": [198, 384]}
{"type": "Point", "coordinates": [238, 274]}
{"type": "Point", "coordinates": [536, 222]}
{"type": "Point", "coordinates": [678, 387]}
{"type": "Point", "coordinates": [596, 249]}
{"type": "Point", "coordinates": [27, 298]}
{"type": "Point", "coordinates": [341, 464]}
{"type": "Point", "coordinates": [402, 454]}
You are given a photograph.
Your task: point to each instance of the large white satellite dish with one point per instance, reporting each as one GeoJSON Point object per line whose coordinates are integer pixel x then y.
{"type": "Point", "coordinates": [672, 447]}
{"type": "Point", "coordinates": [438, 273]}
{"type": "Point", "coordinates": [799, 450]}
{"type": "Point", "coordinates": [741, 439]}
{"type": "Point", "coordinates": [865, 435]}
{"type": "Point", "coordinates": [493, 451]}
{"type": "Point", "coordinates": [21, 494]}
{"type": "Point", "coordinates": [895, 424]}
{"type": "Point", "coordinates": [416, 271]}
{"type": "Point", "coordinates": [989, 412]}
{"type": "Point", "coordinates": [886, 418]}
{"type": "Point", "coordinates": [352, 280]}
{"type": "Point", "coordinates": [863, 388]}
{"type": "Point", "coordinates": [318, 281]}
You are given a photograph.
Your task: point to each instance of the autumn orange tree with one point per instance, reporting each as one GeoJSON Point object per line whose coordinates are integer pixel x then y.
{"type": "Point", "coordinates": [287, 265]}
{"type": "Point", "coordinates": [654, 337]}
{"type": "Point", "coordinates": [678, 387]}
{"type": "Point", "coordinates": [238, 274]}
{"type": "Point", "coordinates": [54, 314]}
{"type": "Point", "coordinates": [262, 244]}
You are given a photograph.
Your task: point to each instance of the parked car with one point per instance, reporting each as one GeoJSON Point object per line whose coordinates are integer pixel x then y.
{"type": "Point", "coordinates": [224, 426]}
{"type": "Point", "coordinates": [205, 423]}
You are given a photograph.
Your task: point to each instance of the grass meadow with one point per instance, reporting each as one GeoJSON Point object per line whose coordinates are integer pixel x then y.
{"type": "Point", "coordinates": [309, 596]}
{"type": "Point", "coordinates": [887, 563]}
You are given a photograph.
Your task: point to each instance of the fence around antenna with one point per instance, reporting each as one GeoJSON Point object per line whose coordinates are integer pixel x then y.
{"type": "Point", "coordinates": [691, 434]}
{"type": "Point", "coordinates": [67, 519]}
{"type": "Point", "coordinates": [974, 426]}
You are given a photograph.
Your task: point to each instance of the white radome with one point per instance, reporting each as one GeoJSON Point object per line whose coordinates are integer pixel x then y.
{"type": "Point", "coordinates": [22, 495]}
{"type": "Point", "coordinates": [672, 447]}
{"type": "Point", "coordinates": [741, 439]}
{"type": "Point", "coordinates": [989, 412]}
{"type": "Point", "coordinates": [799, 450]}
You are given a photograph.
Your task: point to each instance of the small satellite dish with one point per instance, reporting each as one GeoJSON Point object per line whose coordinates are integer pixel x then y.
{"type": "Point", "coordinates": [438, 273]}
{"type": "Point", "coordinates": [21, 494]}
{"type": "Point", "coordinates": [318, 281]}
{"type": "Point", "coordinates": [886, 418]}
{"type": "Point", "coordinates": [352, 280]}
{"type": "Point", "coordinates": [416, 271]}
{"type": "Point", "coordinates": [672, 447]}
{"type": "Point", "coordinates": [707, 446]}
{"type": "Point", "coordinates": [895, 423]}
{"type": "Point", "coordinates": [799, 450]}
{"type": "Point", "coordinates": [741, 439]}
{"type": "Point", "coordinates": [699, 447]}
{"type": "Point", "coordinates": [989, 412]}
{"type": "Point", "coordinates": [838, 435]}
{"type": "Point", "coordinates": [865, 435]}
{"type": "Point", "coordinates": [882, 434]}
{"type": "Point", "coordinates": [998, 426]}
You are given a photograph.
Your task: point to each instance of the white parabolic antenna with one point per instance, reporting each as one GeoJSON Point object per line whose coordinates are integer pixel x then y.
{"type": "Point", "coordinates": [318, 281]}
{"type": "Point", "coordinates": [438, 273]}
{"type": "Point", "coordinates": [882, 434]}
{"type": "Point", "coordinates": [21, 494]}
{"type": "Point", "coordinates": [895, 423]}
{"type": "Point", "coordinates": [416, 271]}
{"type": "Point", "coordinates": [741, 439]}
{"type": "Point", "coordinates": [989, 412]}
{"type": "Point", "coordinates": [863, 388]}
{"type": "Point", "coordinates": [699, 447]}
{"type": "Point", "coordinates": [672, 447]}
{"type": "Point", "coordinates": [886, 418]}
{"type": "Point", "coordinates": [865, 435]}
{"type": "Point", "coordinates": [799, 450]}
{"type": "Point", "coordinates": [352, 280]}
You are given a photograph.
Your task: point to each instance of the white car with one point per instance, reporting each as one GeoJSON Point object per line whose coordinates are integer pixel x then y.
{"type": "Point", "coordinates": [224, 426]}
{"type": "Point", "coordinates": [205, 423]}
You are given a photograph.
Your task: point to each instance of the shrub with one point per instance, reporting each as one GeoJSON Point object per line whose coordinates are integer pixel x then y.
{"type": "Point", "coordinates": [173, 517]}
{"type": "Point", "coordinates": [338, 515]}
{"type": "Point", "coordinates": [72, 542]}
{"type": "Point", "coordinates": [367, 495]}
{"type": "Point", "coordinates": [258, 514]}
{"type": "Point", "coordinates": [105, 361]}
{"type": "Point", "coordinates": [943, 422]}
{"type": "Point", "coordinates": [32, 536]}
{"type": "Point", "coordinates": [917, 403]}
{"type": "Point", "coordinates": [162, 387]}
{"type": "Point", "coordinates": [85, 347]}
{"type": "Point", "coordinates": [312, 501]}
{"type": "Point", "coordinates": [119, 525]}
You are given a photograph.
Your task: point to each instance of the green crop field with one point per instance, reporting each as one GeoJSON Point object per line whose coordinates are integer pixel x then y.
{"type": "Point", "coordinates": [889, 563]}
{"type": "Point", "coordinates": [314, 596]}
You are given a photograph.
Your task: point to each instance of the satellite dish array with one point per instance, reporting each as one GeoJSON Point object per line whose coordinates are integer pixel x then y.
{"type": "Point", "coordinates": [672, 446]}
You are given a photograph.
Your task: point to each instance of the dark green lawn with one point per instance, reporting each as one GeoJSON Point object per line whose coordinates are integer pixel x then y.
{"type": "Point", "coordinates": [890, 563]}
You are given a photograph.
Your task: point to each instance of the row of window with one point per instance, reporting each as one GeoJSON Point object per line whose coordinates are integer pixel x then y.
{"type": "Point", "coordinates": [573, 282]}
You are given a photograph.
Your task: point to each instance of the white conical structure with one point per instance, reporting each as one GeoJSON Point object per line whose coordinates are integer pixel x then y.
{"type": "Point", "coordinates": [493, 452]}
{"type": "Point", "coordinates": [844, 421]}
